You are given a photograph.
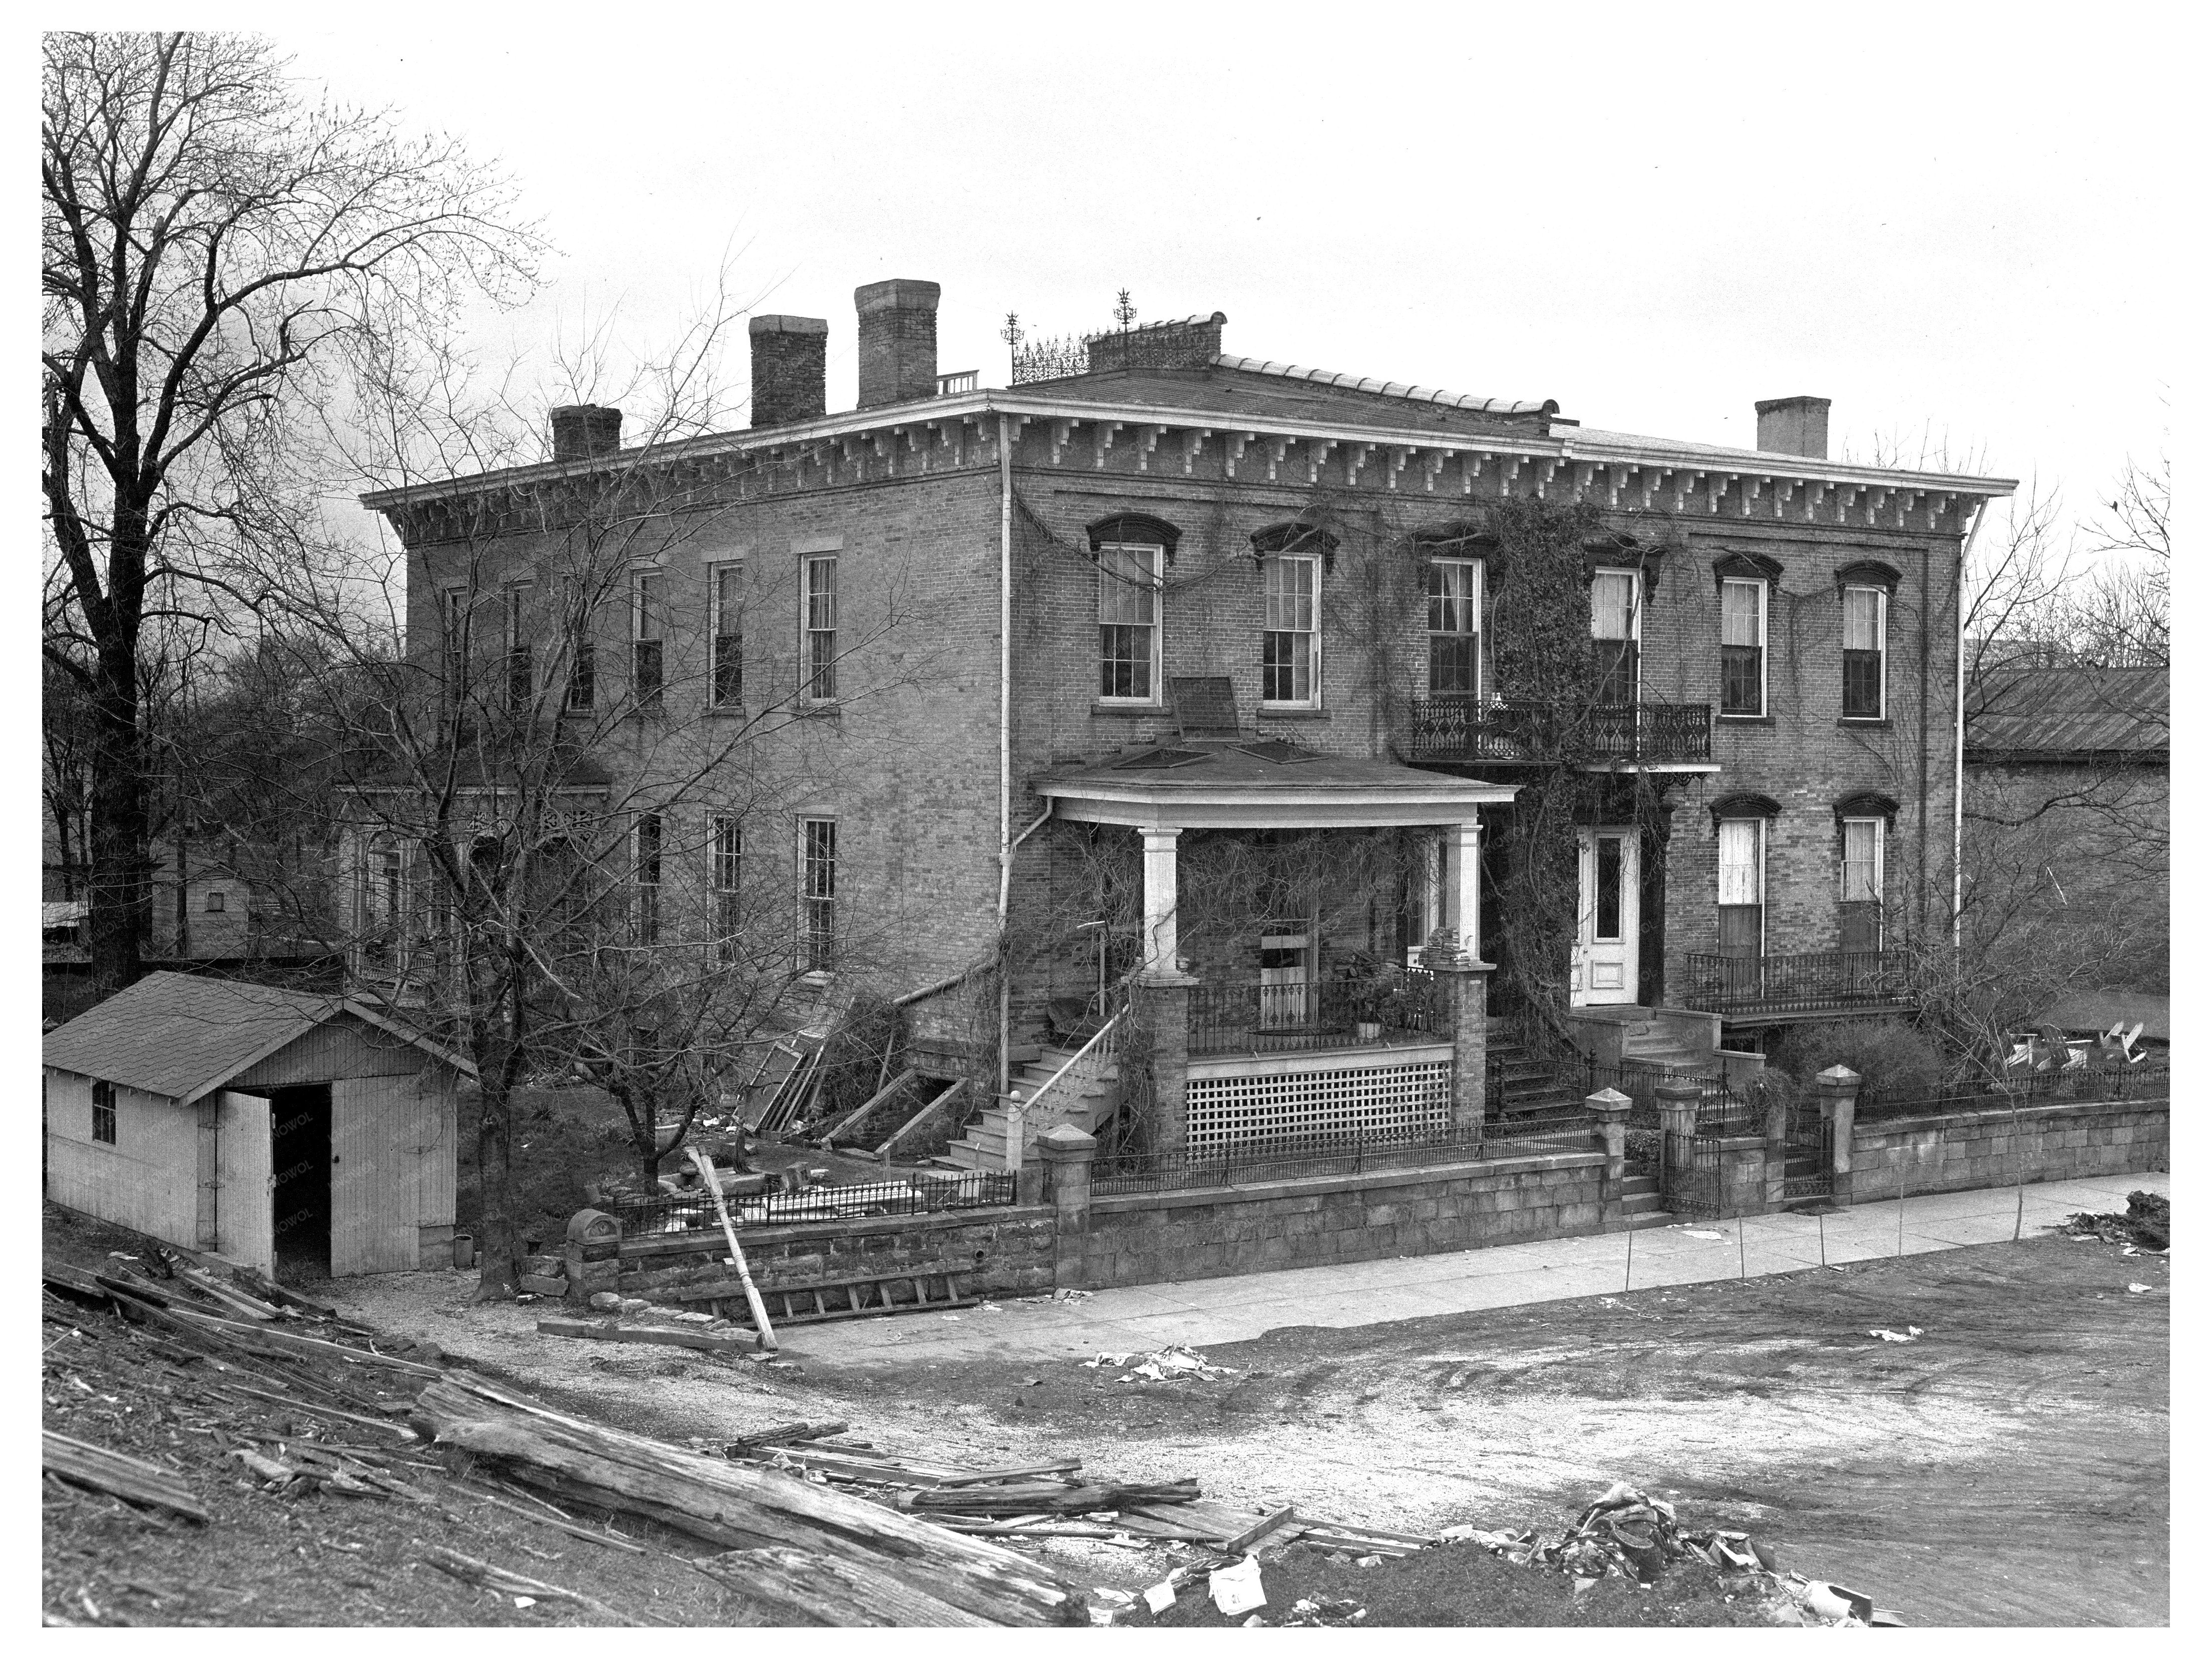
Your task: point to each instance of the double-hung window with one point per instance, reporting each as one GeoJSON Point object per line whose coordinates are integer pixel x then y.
{"type": "Point", "coordinates": [1129, 622]}
{"type": "Point", "coordinates": [646, 868]}
{"type": "Point", "coordinates": [726, 607]}
{"type": "Point", "coordinates": [1289, 656]}
{"type": "Point", "coordinates": [646, 626]}
{"type": "Point", "coordinates": [729, 846]}
{"type": "Point", "coordinates": [818, 895]}
{"type": "Point", "coordinates": [453, 616]}
{"type": "Point", "coordinates": [103, 1113]}
{"type": "Point", "coordinates": [1866, 652]}
{"type": "Point", "coordinates": [819, 647]}
{"type": "Point", "coordinates": [583, 673]}
{"type": "Point", "coordinates": [1455, 627]}
{"type": "Point", "coordinates": [520, 683]}
{"type": "Point", "coordinates": [1859, 913]}
{"type": "Point", "coordinates": [1742, 887]}
{"type": "Point", "coordinates": [1743, 646]}
{"type": "Point", "coordinates": [1616, 630]}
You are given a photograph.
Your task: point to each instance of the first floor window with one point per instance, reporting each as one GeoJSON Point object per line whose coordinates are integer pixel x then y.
{"type": "Point", "coordinates": [728, 848]}
{"type": "Point", "coordinates": [1861, 912]}
{"type": "Point", "coordinates": [1289, 661]}
{"type": "Point", "coordinates": [1866, 626]}
{"type": "Point", "coordinates": [725, 599]}
{"type": "Point", "coordinates": [1615, 630]}
{"type": "Point", "coordinates": [583, 678]}
{"type": "Point", "coordinates": [1743, 646]}
{"type": "Point", "coordinates": [103, 1112]}
{"type": "Point", "coordinates": [818, 895]}
{"type": "Point", "coordinates": [1455, 626]}
{"type": "Point", "coordinates": [818, 578]}
{"type": "Point", "coordinates": [1742, 887]}
{"type": "Point", "coordinates": [644, 636]}
{"type": "Point", "coordinates": [1128, 622]}
{"type": "Point", "coordinates": [647, 870]}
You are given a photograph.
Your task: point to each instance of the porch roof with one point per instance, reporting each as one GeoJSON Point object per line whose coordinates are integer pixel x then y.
{"type": "Point", "coordinates": [1252, 784]}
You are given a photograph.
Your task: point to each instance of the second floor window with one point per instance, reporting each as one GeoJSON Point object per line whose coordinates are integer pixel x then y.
{"type": "Point", "coordinates": [728, 848]}
{"type": "Point", "coordinates": [1742, 886]}
{"type": "Point", "coordinates": [726, 600]}
{"type": "Point", "coordinates": [1743, 646]}
{"type": "Point", "coordinates": [1866, 652]}
{"type": "Point", "coordinates": [1615, 627]}
{"type": "Point", "coordinates": [1289, 655]}
{"type": "Point", "coordinates": [818, 645]}
{"type": "Point", "coordinates": [818, 895]}
{"type": "Point", "coordinates": [1860, 913]}
{"type": "Point", "coordinates": [645, 638]}
{"type": "Point", "coordinates": [646, 871]}
{"type": "Point", "coordinates": [1455, 626]}
{"type": "Point", "coordinates": [1128, 622]}
{"type": "Point", "coordinates": [453, 609]}
{"type": "Point", "coordinates": [519, 683]}
{"type": "Point", "coordinates": [583, 676]}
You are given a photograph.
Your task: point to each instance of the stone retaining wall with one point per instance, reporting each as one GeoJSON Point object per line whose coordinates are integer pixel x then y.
{"type": "Point", "coordinates": [1957, 1152]}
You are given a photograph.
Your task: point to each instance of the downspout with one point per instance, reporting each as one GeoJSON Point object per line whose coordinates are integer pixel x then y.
{"type": "Point", "coordinates": [1005, 729]}
{"type": "Point", "coordinates": [1927, 622]}
{"type": "Point", "coordinates": [1959, 748]}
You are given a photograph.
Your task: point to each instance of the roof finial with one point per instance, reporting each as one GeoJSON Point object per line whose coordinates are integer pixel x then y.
{"type": "Point", "coordinates": [1123, 311]}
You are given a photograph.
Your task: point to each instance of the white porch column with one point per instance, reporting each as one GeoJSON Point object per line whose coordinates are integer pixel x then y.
{"type": "Point", "coordinates": [1463, 847]}
{"type": "Point", "coordinates": [1159, 946]}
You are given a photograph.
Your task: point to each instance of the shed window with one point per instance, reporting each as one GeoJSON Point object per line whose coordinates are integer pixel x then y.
{"type": "Point", "coordinates": [215, 901]}
{"type": "Point", "coordinates": [103, 1112]}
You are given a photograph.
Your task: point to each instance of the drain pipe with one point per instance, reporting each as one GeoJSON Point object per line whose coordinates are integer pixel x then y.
{"type": "Point", "coordinates": [1958, 745]}
{"type": "Point", "coordinates": [1006, 843]}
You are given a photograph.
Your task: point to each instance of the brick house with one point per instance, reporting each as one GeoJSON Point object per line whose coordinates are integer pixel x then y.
{"type": "Point", "coordinates": [1169, 680]}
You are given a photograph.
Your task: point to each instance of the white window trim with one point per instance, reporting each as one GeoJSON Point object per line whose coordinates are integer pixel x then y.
{"type": "Point", "coordinates": [715, 572]}
{"type": "Point", "coordinates": [1880, 851]}
{"type": "Point", "coordinates": [811, 974]}
{"type": "Point", "coordinates": [1635, 621]}
{"type": "Point", "coordinates": [1158, 555]}
{"type": "Point", "coordinates": [1881, 643]}
{"type": "Point", "coordinates": [1312, 700]}
{"type": "Point", "coordinates": [1479, 582]}
{"type": "Point", "coordinates": [1761, 584]}
{"type": "Point", "coordinates": [808, 560]}
{"type": "Point", "coordinates": [1758, 865]}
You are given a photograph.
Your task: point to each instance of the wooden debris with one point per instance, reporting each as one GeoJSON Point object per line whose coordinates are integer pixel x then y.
{"type": "Point", "coordinates": [574, 1529]}
{"type": "Point", "coordinates": [98, 1469]}
{"type": "Point", "coordinates": [745, 1443]}
{"type": "Point", "coordinates": [992, 1477]}
{"type": "Point", "coordinates": [1044, 1499]}
{"type": "Point", "coordinates": [1252, 1534]}
{"type": "Point", "coordinates": [470, 1571]}
{"type": "Point", "coordinates": [809, 1588]}
{"type": "Point", "coordinates": [868, 1106]}
{"type": "Point", "coordinates": [657, 1336]}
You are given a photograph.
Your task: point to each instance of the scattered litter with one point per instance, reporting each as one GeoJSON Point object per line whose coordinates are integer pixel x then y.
{"type": "Point", "coordinates": [1034, 1382]}
{"type": "Point", "coordinates": [2137, 1290]}
{"type": "Point", "coordinates": [525, 1601]}
{"type": "Point", "coordinates": [1333, 1612]}
{"type": "Point", "coordinates": [1910, 1332]}
{"type": "Point", "coordinates": [989, 1307]}
{"type": "Point", "coordinates": [1368, 1561]}
{"type": "Point", "coordinates": [955, 1318]}
{"type": "Point", "coordinates": [2146, 1224]}
{"type": "Point", "coordinates": [1071, 1295]}
{"type": "Point", "coordinates": [121, 1255]}
{"type": "Point", "coordinates": [1702, 1233]}
{"type": "Point", "coordinates": [1255, 1622]}
{"type": "Point", "coordinates": [1112, 1597]}
{"type": "Point", "coordinates": [1171, 1362]}
{"type": "Point", "coordinates": [1117, 1360]}
{"type": "Point", "coordinates": [1237, 1589]}
{"type": "Point", "coordinates": [1160, 1597]}
{"type": "Point", "coordinates": [1102, 1615]}
{"type": "Point", "coordinates": [695, 1318]}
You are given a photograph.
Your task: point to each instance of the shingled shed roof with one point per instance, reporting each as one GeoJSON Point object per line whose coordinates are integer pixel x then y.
{"type": "Point", "coordinates": [180, 1035]}
{"type": "Point", "coordinates": [2054, 713]}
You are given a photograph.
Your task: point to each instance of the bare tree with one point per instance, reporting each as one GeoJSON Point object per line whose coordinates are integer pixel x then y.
{"type": "Point", "coordinates": [213, 249]}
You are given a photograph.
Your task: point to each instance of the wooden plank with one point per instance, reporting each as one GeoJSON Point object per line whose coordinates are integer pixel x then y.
{"type": "Point", "coordinates": [869, 1105]}
{"type": "Point", "coordinates": [992, 1477]}
{"type": "Point", "coordinates": [1238, 1544]}
{"type": "Point", "coordinates": [654, 1335]}
{"type": "Point", "coordinates": [930, 1109]}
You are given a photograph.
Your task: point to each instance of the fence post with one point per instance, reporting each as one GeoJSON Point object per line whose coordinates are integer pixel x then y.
{"type": "Point", "coordinates": [1678, 1127]}
{"type": "Point", "coordinates": [1167, 1013]}
{"type": "Point", "coordinates": [1608, 1109]}
{"type": "Point", "coordinates": [1067, 1154]}
{"type": "Point", "coordinates": [1838, 1088]}
{"type": "Point", "coordinates": [1777, 1151]}
{"type": "Point", "coordinates": [1469, 983]}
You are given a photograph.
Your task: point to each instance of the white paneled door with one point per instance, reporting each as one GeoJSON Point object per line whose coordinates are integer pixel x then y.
{"type": "Point", "coordinates": [1606, 937]}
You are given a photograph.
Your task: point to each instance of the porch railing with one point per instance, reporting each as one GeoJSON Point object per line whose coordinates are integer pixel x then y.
{"type": "Point", "coordinates": [1329, 1013]}
{"type": "Point", "coordinates": [1461, 728]}
{"type": "Point", "coordinates": [1810, 981]}
{"type": "Point", "coordinates": [1254, 1161]}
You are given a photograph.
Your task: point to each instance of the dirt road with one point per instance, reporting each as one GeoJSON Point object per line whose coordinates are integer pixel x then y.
{"type": "Point", "coordinates": [2007, 1466]}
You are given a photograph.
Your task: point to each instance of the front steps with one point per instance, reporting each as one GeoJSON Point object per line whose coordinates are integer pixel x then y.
{"type": "Point", "coordinates": [1084, 1099]}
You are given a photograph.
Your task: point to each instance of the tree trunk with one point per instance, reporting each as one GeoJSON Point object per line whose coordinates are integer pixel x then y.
{"type": "Point", "coordinates": [498, 1252]}
{"type": "Point", "coordinates": [119, 890]}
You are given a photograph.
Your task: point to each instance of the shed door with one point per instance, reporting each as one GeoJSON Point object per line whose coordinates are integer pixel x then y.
{"type": "Point", "coordinates": [373, 1192]}
{"type": "Point", "coordinates": [244, 1180]}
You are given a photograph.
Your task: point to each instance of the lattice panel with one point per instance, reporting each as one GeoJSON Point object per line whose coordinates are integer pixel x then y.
{"type": "Point", "coordinates": [1373, 1102]}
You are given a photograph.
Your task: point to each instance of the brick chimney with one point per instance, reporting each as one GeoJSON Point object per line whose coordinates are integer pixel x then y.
{"type": "Point", "coordinates": [583, 431]}
{"type": "Point", "coordinates": [1794, 426]}
{"type": "Point", "coordinates": [898, 341]}
{"type": "Point", "coordinates": [790, 369]}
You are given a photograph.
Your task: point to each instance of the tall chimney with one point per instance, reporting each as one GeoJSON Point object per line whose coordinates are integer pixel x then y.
{"type": "Point", "coordinates": [898, 341]}
{"type": "Point", "coordinates": [1794, 426]}
{"type": "Point", "coordinates": [790, 369]}
{"type": "Point", "coordinates": [583, 431]}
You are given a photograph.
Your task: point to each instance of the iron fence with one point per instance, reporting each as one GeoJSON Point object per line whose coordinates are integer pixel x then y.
{"type": "Point", "coordinates": [1803, 982]}
{"type": "Point", "coordinates": [965, 1189]}
{"type": "Point", "coordinates": [2090, 1082]}
{"type": "Point", "coordinates": [1329, 1013]}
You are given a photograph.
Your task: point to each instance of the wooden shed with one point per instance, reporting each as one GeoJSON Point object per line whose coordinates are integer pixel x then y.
{"type": "Point", "coordinates": [301, 1133]}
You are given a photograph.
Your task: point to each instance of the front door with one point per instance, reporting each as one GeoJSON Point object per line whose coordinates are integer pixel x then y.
{"type": "Point", "coordinates": [1605, 940]}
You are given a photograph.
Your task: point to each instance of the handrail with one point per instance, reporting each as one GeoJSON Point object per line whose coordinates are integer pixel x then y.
{"type": "Point", "coordinates": [1045, 1087]}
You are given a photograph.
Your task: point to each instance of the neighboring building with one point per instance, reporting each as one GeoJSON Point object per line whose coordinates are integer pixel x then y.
{"type": "Point", "coordinates": [1101, 654]}
{"type": "Point", "coordinates": [2067, 843]}
{"type": "Point", "coordinates": [284, 1130]}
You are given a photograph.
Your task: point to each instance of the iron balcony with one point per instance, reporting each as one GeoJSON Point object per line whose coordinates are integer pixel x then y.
{"type": "Point", "coordinates": [1467, 729]}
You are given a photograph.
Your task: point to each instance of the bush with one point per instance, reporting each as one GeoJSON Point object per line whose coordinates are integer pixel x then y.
{"type": "Point", "coordinates": [1890, 1057]}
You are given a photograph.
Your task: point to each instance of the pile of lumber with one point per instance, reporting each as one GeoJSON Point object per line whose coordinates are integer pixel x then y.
{"type": "Point", "coordinates": [824, 1557]}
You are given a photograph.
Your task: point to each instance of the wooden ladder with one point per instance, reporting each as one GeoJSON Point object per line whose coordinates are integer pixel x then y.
{"type": "Point", "coordinates": [838, 1298]}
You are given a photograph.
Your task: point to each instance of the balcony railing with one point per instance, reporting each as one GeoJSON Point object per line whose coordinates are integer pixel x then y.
{"type": "Point", "coordinates": [1812, 981]}
{"type": "Point", "coordinates": [1460, 728]}
{"type": "Point", "coordinates": [1401, 1006]}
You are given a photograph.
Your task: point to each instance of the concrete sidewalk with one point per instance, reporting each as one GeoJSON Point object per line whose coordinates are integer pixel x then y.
{"type": "Point", "coordinates": [1139, 1318]}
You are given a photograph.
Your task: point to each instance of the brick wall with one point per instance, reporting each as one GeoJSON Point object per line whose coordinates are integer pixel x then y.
{"type": "Point", "coordinates": [1959, 1152]}
{"type": "Point", "coordinates": [1147, 1238]}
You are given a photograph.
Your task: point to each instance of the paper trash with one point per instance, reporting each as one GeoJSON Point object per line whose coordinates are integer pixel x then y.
{"type": "Point", "coordinates": [1237, 1589]}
